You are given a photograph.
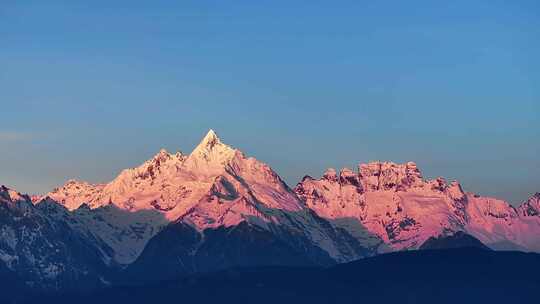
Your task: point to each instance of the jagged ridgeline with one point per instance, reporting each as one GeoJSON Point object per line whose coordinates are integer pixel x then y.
{"type": "Point", "coordinates": [216, 208]}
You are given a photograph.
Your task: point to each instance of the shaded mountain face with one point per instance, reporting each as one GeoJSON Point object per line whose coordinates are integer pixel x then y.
{"type": "Point", "coordinates": [179, 250]}
{"type": "Point", "coordinates": [457, 240]}
{"type": "Point", "coordinates": [466, 275]}
{"type": "Point", "coordinates": [394, 203]}
{"type": "Point", "coordinates": [41, 253]}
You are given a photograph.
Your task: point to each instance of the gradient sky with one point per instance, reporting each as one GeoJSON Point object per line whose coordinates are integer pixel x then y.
{"type": "Point", "coordinates": [88, 88]}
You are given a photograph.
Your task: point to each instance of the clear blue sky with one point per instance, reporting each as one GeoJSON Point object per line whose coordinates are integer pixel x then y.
{"type": "Point", "coordinates": [88, 88]}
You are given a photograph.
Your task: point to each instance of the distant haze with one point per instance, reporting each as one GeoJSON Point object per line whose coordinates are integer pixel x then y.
{"type": "Point", "coordinates": [88, 90]}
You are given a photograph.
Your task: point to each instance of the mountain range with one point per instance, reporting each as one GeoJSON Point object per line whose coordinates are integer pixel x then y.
{"type": "Point", "coordinates": [178, 215]}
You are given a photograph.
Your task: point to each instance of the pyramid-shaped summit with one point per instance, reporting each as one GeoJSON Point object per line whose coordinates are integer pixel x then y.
{"type": "Point", "coordinates": [210, 155]}
{"type": "Point", "coordinates": [210, 139]}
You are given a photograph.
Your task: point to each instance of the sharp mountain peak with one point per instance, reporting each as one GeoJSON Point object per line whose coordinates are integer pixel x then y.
{"type": "Point", "coordinates": [209, 142]}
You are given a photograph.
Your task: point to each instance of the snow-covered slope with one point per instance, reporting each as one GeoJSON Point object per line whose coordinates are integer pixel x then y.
{"type": "Point", "coordinates": [118, 234]}
{"type": "Point", "coordinates": [74, 193]}
{"type": "Point", "coordinates": [43, 251]}
{"type": "Point", "coordinates": [501, 226]}
{"type": "Point", "coordinates": [393, 202]}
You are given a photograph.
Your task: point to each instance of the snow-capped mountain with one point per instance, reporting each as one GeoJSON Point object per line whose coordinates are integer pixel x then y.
{"type": "Point", "coordinates": [214, 187]}
{"type": "Point", "coordinates": [394, 202]}
{"type": "Point", "coordinates": [43, 252]}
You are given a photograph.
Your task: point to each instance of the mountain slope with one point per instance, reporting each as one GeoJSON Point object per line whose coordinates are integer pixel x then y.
{"type": "Point", "coordinates": [43, 252]}
{"type": "Point", "coordinates": [389, 200]}
{"type": "Point", "coordinates": [179, 250]}
{"type": "Point", "coordinates": [393, 202]}
{"type": "Point", "coordinates": [457, 240]}
{"type": "Point", "coordinates": [495, 222]}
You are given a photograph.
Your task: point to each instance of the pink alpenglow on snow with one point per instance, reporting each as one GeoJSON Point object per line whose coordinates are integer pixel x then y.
{"type": "Point", "coordinates": [383, 205]}
{"type": "Point", "coordinates": [393, 202]}
{"type": "Point", "coordinates": [214, 186]}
